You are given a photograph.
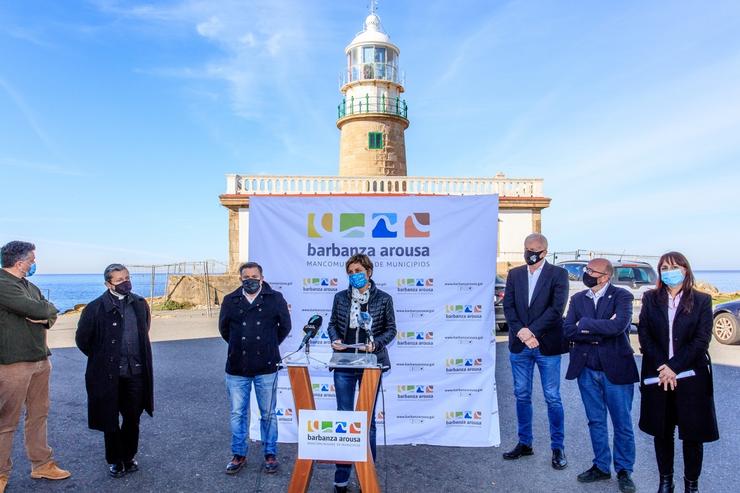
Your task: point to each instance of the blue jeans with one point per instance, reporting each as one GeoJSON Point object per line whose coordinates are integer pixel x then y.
{"type": "Point", "coordinates": [238, 389]}
{"type": "Point", "coordinates": [600, 395]}
{"type": "Point", "coordinates": [345, 382]}
{"type": "Point", "coordinates": [522, 368]}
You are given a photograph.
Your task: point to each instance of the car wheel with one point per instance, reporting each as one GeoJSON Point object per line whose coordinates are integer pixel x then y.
{"type": "Point", "coordinates": [726, 329]}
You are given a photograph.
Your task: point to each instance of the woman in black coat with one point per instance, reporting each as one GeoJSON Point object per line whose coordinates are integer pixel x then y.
{"type": "Point", "coordinates": [674, 330]}
{"type": "Point", "coordinates": [113, 332]}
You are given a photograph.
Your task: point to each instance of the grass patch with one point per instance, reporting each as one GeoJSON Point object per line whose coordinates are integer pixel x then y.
{"type": "Point", "coordinates": [172, 305]}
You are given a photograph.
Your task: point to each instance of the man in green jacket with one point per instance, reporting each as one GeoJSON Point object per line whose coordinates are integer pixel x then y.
{"type": "Point", "coordinates": [25, 316]}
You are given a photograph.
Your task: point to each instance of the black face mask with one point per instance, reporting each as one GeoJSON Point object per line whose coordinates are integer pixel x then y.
{"type": "Point", "coordinates": [251, 286]}
{"type": "Point", "coordinates": [589, 280]}
{"type": "Point", "coordinates": [532, 257]}
{"type": "Point", "coordinates": [123, 289]}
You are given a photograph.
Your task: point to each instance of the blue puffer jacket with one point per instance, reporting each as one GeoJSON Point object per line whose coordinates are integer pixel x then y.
{"type": "Point", "coordinates": [380, 307]}
{"type": "Point", "coordinates": [254, 331]}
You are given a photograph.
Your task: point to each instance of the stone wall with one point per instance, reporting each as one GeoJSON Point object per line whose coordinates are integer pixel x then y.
{"type": "Point", "coordinates": [191, 289]}
{"type": "Point", "coordinates": [356, 159]}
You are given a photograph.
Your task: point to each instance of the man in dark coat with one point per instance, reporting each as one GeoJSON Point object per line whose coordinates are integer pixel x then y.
{"type": "Point", "coordinates": [113, 332]}
{"type": "Point", "coordinates": [535, 300]}
{"type": "Point", "coordinates": [601, 357]}
{"type": "Point", "coordinates": [254, 320]}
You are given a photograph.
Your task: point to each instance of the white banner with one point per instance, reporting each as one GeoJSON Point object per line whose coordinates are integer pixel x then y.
{"type": "Point", "coordinates": [436, 256]}
{"type": "Point", "coordinates": [332, 435]}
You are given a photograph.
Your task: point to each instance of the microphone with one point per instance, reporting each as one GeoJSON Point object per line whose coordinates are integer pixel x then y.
{"type": "Point", "coordinates": [311, 329]}
{"type": "Point", "coordinates": [366, 322]}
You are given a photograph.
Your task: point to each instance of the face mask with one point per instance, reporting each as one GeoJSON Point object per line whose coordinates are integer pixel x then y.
{"type": "Point", "coordinates": [357, 280]}
{"type": "Point", "coordinates": [672, 278]}
{"type": "Point", "coordinates": [251, 286]}
{"type": "Point", "coordinates": [31, 270]}
{"type": "Point", "coordinates": [532, 257]}
{"type": "Point", "coordinates": [589, 280]}
{"type": "Point", "coordinates": [123, 289]}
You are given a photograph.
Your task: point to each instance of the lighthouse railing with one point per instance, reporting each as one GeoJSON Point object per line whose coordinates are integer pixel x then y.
{"type": "Point", "coordinates": [372, 104]}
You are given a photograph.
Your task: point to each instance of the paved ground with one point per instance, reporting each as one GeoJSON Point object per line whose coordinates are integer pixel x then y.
{"type": "Point", "coordinates": [186, 446]}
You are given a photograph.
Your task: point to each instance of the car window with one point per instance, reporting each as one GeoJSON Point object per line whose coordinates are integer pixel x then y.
{"type": "Point", "coordinates": [575, 271]}
{"type": "Point", "coordinates": [634, 275]}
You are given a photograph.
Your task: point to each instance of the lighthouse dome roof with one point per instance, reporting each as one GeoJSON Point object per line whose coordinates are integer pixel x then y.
{"type": "Point", "coordinates": [372, 34]}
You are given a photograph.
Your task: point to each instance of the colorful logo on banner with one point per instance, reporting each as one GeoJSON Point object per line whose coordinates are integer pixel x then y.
{"type": "Point", "coordinates": [284, 414]}
{"type": "Point", "coordinates": [463, 365]}
{"type": "Point", "coordinates": [379, 418]}
{"type": "Point", "coordinates": [415, 392]}
{"type": "Point", "coordinates": [415, 285]}
{"type": "Point", "coordinates": [324, 391]}
{"type": "Point", "coordinates": [464, 418]}
{"type": "Point", "coordinates": [415, 338]}
{"type": "Point", "coordinates": [333, 427]}
{"type": "Point", "coordinates": [464, 312]}
{"type": "Point", "coordinates": [356, 225]}
{"type": "Point", "coordinates": [320, 284]}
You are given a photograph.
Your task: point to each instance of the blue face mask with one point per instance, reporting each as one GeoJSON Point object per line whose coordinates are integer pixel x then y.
{"type": "Point", "coordinates": [31, 270]}
{"type": "Point", "coordinates": [357, 280]}
{"type": "Point", "coordinates": [672, 278]}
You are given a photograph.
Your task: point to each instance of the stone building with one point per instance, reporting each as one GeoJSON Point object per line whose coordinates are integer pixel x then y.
{"type": "Point", "coordinates": [372, 117]}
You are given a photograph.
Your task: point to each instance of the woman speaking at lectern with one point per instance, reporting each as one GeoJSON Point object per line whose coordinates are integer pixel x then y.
{"type": "Point", "coordinates": [357, 312]}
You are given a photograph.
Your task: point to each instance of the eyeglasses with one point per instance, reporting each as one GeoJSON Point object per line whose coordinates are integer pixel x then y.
{"type": "Point", "coordinates": [590, 271]}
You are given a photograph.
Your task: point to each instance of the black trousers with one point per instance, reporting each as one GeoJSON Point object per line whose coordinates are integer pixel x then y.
{"type": "Point", "coordinates": [693, 452]}
{"type": "Point", "coordinates": [122, 443]}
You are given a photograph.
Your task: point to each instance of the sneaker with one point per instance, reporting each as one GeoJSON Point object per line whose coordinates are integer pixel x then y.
{"type": "Point", "coordinates": [593, 474]}
{"type": "Point", "coordinates": [116, 470]}
{"type": "Point", "coordinates": [237, 462]}
{"type": "Point", "coordinates": [271, 464]}
{"type": "Point", "coordinates": [626, 485]}
{"type": "Point", "coordinates": [50, 470]}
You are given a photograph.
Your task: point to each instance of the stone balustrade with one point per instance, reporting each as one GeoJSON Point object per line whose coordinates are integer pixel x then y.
{"type": "Point", "coordinates": [375, 185]}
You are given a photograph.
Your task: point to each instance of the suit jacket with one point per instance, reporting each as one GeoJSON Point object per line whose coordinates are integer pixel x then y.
{"type": "Point", "coordinates": [692, 331]}
{"type": "Point", "coordinates": [544, 316]}
{"type": "Point", "coordinates": [588, 327]}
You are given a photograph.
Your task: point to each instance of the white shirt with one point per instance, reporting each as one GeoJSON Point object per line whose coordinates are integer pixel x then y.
{"type": "Point", "coordinates": [672, 308]}
{"type": "Point", "coordinates": [597, 295]}
{"type": "Point", "coordinates": [532, 278]}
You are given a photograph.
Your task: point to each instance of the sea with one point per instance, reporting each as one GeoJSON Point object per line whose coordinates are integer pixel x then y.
{"type": "Point", "coordinates": [68, 290]}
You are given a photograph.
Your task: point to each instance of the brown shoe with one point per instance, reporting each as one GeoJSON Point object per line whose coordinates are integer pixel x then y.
{"type": "Point", "coordinates": [3, 483]}
{"type": "Point", "coordinates": [50, 470]}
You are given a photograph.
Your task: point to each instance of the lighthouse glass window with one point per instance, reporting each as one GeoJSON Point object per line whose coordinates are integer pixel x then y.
{"type": "Point", "coordinates": [375, 140]}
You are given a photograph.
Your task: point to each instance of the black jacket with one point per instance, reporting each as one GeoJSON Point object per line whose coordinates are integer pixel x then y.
{"type": "Point", "coordinates": [544, 316]}
{"type": "Point", "coordinates": [99, 336]}
{"type": "Point", "coordinates": [692, 331]}
{"type": "Point", "coordinates": [380, 307]}
{"type": "Point", "coordinates": [254, 331]}
{"type": "Point", "coordinates": [598, 331]}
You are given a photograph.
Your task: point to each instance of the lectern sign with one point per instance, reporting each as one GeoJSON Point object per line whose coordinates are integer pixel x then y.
{"type": "Point", "coordinates": [332, 435]}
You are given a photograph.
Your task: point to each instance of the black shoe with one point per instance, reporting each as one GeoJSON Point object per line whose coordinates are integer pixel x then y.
{"type": "Point", "coordinates": [559, 461]}
{"type": "Point", "coordinates": [519, 451]}
{"type": "Point", "coordinates": [340, 489]}
{"type": "Point", "coordinates": [593, 474]}
{"type": "Point", "coordinates": [237, 462]}
{"type": "Point", "coordinates": [131, 465]}
{"type": "Point", "coordinates": [116, 470]}
{"type": "Point", "coordinates": [666, 483]}
{"type": "Point", "coordinates": [271, 464]}
{"type": "Point", "coordinates": [691, 486]}
{"type": "Point", "coordinates": [626, 485]}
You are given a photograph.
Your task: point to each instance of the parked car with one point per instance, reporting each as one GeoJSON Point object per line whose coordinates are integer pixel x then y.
{"type": "Point", "coordinates": [725, 327]}
{"type": "Point", "coordinates": [635, 277]}
{"type": "Point", "coordinates": [498, 303]}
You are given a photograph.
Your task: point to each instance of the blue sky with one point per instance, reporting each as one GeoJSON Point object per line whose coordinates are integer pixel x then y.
{"type": "Point", "coordinates": [119, 120]}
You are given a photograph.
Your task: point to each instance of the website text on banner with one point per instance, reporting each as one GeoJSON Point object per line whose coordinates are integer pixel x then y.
{"type": "Point", "coordinates": [436, 256]}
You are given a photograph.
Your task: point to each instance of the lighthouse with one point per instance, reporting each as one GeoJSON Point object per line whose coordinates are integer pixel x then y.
{"type": "Point", "coordinates": [372, 115]}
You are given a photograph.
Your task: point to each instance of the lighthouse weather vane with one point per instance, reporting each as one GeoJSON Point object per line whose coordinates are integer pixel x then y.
{"type": "Point", "coordinates": [373, 6]}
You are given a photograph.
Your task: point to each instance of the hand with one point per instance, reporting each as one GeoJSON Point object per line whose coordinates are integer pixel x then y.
{"type": "Point", "coordinates": [370, 347]}
{"type": "Point", "coordinates": [667, 378]}
{"type": "Point", "coordinates": [532, 342]}
{"type": "Point", "coordinates": [43, 322]}
{"type": "Point", "coordinates": [337, 345]}
{"type": "Point", "coordinates": [524, 334]}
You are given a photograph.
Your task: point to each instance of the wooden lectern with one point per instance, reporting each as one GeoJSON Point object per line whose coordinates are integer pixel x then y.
{"type": "Point", "coordinates": [300, 382]}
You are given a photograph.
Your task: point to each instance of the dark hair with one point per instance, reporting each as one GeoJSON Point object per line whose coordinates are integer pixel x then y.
{"type": "Point", "coordinates": [363, 260]}
{"type": "Point", "coordinates": [108, 272]}
{"type": "Point", "coordinates": [15, 251]}
{"type": "Point", "coordinates": [250, 265]}
{"type": "Point", "coordinates": [687, 288]}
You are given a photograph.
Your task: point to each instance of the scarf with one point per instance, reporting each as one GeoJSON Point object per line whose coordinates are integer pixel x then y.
{"type": "Point", "coordinates": [354, 311]}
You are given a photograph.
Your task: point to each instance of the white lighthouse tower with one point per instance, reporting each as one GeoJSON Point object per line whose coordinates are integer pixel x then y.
{"type": "Point", "coordinates": [372, 116]}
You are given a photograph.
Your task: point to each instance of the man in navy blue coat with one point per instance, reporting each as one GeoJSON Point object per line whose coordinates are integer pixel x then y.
{"type": "Point", "coordinates": [534, 303]}
{"type": "Point", "coordinates": [601, 358]}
